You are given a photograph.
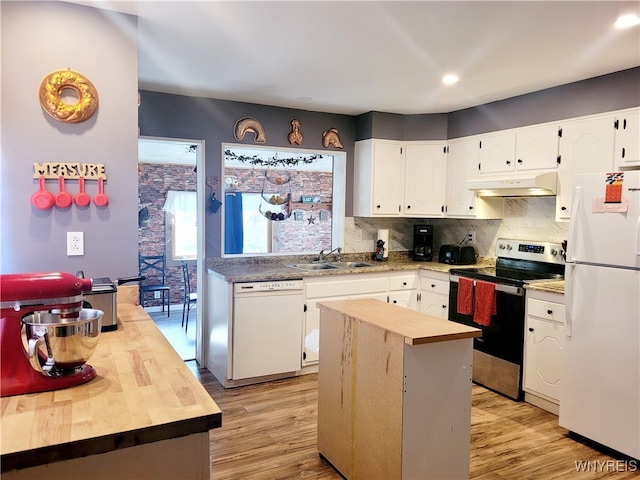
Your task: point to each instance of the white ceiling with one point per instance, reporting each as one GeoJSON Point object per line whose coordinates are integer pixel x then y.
{"type": "Point", "coordinates": [386, 56]}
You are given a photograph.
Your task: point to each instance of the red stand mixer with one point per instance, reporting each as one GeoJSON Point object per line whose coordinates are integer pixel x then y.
{"type": "Point", "coordinates": [58, 334]}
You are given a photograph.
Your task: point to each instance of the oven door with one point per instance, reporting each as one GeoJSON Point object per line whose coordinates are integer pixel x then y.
{"type": "Point", "coordinates": [504, 336]}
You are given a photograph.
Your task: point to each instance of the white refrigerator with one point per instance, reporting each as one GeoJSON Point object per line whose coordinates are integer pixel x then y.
{"type": "Point", "coordinates": [600, 393]}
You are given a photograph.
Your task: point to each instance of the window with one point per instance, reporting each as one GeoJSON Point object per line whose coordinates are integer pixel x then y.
{"type": "Point", "coordinates": [181, 219]}
{"type": "Point", "coordinates": [282, 201]}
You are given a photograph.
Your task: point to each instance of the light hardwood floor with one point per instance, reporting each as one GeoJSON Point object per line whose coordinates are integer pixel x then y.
{"type": "Point", "coordinates": [269, 432]}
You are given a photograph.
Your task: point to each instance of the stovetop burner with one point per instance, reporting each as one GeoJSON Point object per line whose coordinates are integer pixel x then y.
{"type": "Point", "coordinates": [520, 262]}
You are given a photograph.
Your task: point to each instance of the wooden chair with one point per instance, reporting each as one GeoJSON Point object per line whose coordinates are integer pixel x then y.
{"type": "Point", "coordinates": [190, 298]}
{"type": "Point", "coordinates": [153, 267]}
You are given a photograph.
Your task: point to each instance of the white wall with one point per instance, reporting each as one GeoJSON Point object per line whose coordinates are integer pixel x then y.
{"type": "Point", "coordinates": [38, 38]}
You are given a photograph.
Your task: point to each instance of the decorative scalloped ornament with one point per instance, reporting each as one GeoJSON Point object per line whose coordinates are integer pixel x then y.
{"type": "Point", "coordinates": [330, 137]}
{"type": "Point", "coordinates": [249, 124]}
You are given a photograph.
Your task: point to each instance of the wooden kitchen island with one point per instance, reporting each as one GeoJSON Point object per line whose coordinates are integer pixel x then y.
{"type": "Point", "coordinates": [394, 392]}
{"type": "Point", "coordinates": [144, 416]}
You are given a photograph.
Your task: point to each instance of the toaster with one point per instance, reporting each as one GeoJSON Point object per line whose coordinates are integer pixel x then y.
{"type": "Point", "coordinates": [456, 254]}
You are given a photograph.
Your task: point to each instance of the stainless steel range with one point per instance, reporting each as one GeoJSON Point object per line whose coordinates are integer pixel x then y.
{"type": "Point", "coordinates": [493, 299]}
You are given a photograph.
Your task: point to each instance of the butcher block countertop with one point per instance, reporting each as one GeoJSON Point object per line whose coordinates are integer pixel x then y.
{"type": "Point", "coordinates": [416, 328]}
{"type": "Point", "coordinates": [143, 393]}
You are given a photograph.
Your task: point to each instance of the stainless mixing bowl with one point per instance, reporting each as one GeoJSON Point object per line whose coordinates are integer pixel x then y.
{"type": "Point", "coordinates": [56, 345]}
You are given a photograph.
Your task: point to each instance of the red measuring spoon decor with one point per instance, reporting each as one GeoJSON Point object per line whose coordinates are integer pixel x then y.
{"type": "Point", "coordinates": [100, 199]}
{"type": "Point", "coordinates": [81, 199]}
{"type": "Point", "coordinates": [63, 198]}
{"type": "Point", "coordinates": [42, 199]}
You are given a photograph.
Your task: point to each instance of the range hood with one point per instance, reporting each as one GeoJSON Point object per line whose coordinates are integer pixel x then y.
{"type": "Point", "coordinates": [520, 185]}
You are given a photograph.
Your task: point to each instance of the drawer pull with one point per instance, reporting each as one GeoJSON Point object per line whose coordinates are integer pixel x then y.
{"type": "Point", "coordinates": [404, 283]}
{"type": "Point", "coordinates": [549, 312]}
{"type": "Point", "coordinates": [433, 285]}
{"type": "Point", "coordinates": [531, 329]}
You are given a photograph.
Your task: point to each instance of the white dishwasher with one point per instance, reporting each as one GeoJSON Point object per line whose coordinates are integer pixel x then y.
{"type": "Point", "coordinates": [267, 328]}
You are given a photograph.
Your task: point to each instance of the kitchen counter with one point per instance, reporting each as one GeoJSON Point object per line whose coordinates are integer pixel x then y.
{"type": "Point", "coordinates": [555, 286]}
{"type": "Point", "coordinates": [415, 328]}
{"type": "Point", "coordinates": [252, 269]}
{"type": "Point", "coordinates": [144, 415]}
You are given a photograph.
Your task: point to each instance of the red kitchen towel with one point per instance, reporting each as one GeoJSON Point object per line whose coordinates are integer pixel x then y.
{"type": "Point", "coordinates": [465, 296]}
{"type": "Point", "coordinates": [485, 302]}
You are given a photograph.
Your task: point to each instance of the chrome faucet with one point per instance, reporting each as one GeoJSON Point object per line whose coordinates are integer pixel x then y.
{"type": "Point", "coordinates": [322, 256]}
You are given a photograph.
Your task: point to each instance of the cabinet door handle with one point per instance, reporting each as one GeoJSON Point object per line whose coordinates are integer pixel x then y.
{"type": "Point", "coordinates": [408, 207]}
{"type": "Point", "coordinates": [404, 283]}
{"type": "Point", "coordinates": [563, 208]}
{"type": "Point", "coordinates": [444, 306]}
{"type": "Point", "coordinates": [377, 206]}
{"type": "Point", "coordinates": [508, 162]}
{"type": "Point", "coordinates": [433, 285]}
{"type": "Point", "coordinates": [549, 312]}
{"type": "Point", "coordinates": [531, 329]}
{"type": "Point", "coordinates": [395, 301]}
{"type": "Point", "coordinates": [519, 160]}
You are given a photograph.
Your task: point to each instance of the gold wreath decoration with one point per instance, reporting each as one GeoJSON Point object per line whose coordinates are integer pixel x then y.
{"type": "Point", "coordinates": [52, 87]}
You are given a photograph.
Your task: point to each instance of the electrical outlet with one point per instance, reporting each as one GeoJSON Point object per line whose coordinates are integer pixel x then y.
{"type": "Point", "coordinates": [471, 236]}
{"type": "Point", "coordinates": [156, 295]}
{"type": "Point", "coordinates": [75, 243]}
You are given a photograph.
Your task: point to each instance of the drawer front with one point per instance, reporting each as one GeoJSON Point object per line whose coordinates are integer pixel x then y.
{"type": "Point", "coordinates": [403, 282]}
{"type": "Point", "coordinates": [434, 285]}
{"type": "Point", "coordinates": [546, 310]}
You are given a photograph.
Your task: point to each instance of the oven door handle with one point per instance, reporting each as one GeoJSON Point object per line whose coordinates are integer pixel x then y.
{"type": "Point", "coordinates": [508, 289]}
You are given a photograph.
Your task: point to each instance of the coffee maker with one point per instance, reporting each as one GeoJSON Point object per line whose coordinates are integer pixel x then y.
{"type": "Point", "coordinates": [59, 335]}
{"type": "Point", "coordinates": [423, 243]}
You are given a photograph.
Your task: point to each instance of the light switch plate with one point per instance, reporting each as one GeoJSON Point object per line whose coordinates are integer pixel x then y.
{"type": "Point", "coordinates": [75, 243]}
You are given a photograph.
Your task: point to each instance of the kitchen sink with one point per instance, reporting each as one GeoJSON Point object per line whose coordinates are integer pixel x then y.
{"type": "Point", "coordinates": [313, 266]}
{"type": "Point", "coordinates": [328, 266]}
{"type": "Point", "coordinates": [352, 264]}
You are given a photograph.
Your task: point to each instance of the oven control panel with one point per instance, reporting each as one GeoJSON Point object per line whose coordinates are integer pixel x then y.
{"type": "Point", "coordinates": [548, 252]}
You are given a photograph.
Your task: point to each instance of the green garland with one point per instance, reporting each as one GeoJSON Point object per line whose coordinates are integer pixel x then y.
{"type": "Point", "coordinates": [273, 161]}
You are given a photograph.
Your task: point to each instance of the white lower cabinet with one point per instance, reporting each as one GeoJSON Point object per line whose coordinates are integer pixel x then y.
{"type": "Point", "coordinates": [403, 290]}
{"type": "Point", "coordinates": [335, 288]}
{"type": "Point", "coordinates": [434, 293]}
{"type": "Point", "coordinates": [399, 288]}
{"type": "Point", "coordinates": [544, 341]}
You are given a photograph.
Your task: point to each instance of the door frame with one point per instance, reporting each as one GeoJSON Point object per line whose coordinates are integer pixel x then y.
{"type": "Point", "coordinates": [201, 284]}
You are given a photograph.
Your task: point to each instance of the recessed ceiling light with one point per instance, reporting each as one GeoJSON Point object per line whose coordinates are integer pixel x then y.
{"type": "Point", "coordinates": [305, 99]}
{"type": "Point", "coordinates": [628, 20]}
{"type": "Point", "coordinates": [450, 79]}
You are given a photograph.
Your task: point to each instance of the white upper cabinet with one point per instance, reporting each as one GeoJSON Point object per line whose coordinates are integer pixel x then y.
{"type": "Point", "coordinates": [462, 160]}
{"type": "Point", "coordinates": [497, 153]}
{"type": "Point", "coordinates": [424, 183]}
{"type": "Point", "coordinates": [627, 138]}
{"type": "Point", "coordinates": [586, 146]}
{"type": "Point", "coordinates": [537, 147]}
{"type": "Point", "coordinates": [378, 178]}
{"type": "Point", "coordinates": [398, 178]}
{"type": "Point", "coordinates": [522, 149]}
{"type": "Point", "coordinates": [460, 202]}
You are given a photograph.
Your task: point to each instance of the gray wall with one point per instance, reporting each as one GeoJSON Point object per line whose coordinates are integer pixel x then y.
{"type": "Point", "coordinates": [176, 116]}
{"type": "Point", "coordinates": [391, 126]}
{"type": "Point", "coordinates": [595, 95]}
{"type": "Point", "coordinates": [38, 38]}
